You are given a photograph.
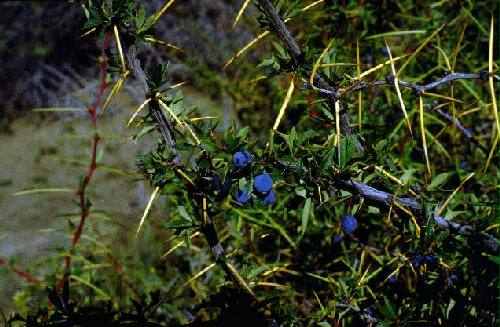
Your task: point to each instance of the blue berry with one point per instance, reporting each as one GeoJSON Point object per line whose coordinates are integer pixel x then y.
{"type": "Point", "coordinates": [431, 258]}
{"type": "Point", "coordinates": [452, 279]}
{"type": "Point", "coordinates": [385, 51]}
{"type": "Point", "coordinates": [417, 261]}
{"type": "Point", "coordinates": [270, 198]}
{"type": "Point", "coordinates": [242, 158]}
{"type": "Point", "coordinates": [421, 259]}
{"type": "Point", "coordinates": [337, 239]}
{"type": "Point", "coordinates": [349, 223]}
{"type": "Point", "coordinates": [263, 183]}
{"type": "Point", "coordinates": [242, 196]}
{"type": "Point", "coordinates": [393, 279]}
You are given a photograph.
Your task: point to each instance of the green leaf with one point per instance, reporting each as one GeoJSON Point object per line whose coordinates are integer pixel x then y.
{"type": "Point", "coordinates": [98, 291]}
{"type": "Point", "coordinates": [184, 214]}
{"type": "Point", "coordinates": [242, 133]}
{"type": "Point", "coordinates": [177, 224]}
{"type": "Point", "coordinates": [347, 149]}
{"type": "Point", "coordinates": [387, 309]}
{"type": "Point", "coordinates": [99, 155]}
{"type": "Point", "coordinates": [438, 181]}
{"type": "Point", "coordinates": [282, 53]}
{"type": "Point", "coordinates": [45, 190]}
{"type": "Point", "coordinates": [272, 63]}
{"type": "Point", "coordinates": [395, 33]}
{"type": "Point", "coordinates": [293, 137]}
{"type": "Point", "coordinates": [58, 109]}
{"type": "Point", "coordinates": [301, 191]}
{"type": "Point", "coordinates": [144, 130]}
{"type": "Point", "coordinates": [328, 159]}
{"type": "Point", "coordinates": [408, 175]}
{"type": "Point", "coordinates": [495, 259]}
{"type": "Point", "coordinates": [305, 214]}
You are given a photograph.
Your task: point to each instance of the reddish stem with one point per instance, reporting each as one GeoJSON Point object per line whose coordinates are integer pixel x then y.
{"type": "Point", "coordinates": [92, 110]}
{"type": "Point", "coordinates": [30, 278]}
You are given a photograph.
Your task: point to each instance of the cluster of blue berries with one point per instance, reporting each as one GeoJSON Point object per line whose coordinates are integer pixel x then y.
{"type": "Point", "coordinates": [422, 259]}
{"type": "Point", "coordinates": [263, 186]}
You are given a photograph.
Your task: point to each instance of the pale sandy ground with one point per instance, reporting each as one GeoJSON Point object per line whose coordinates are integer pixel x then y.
{"type": "Point", "coordinates": [35, 155]}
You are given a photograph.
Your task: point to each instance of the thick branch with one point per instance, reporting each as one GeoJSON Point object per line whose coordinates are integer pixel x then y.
{"type": "Point", "coordinates": [164, 126]}
{"type": "Point", "coordinates": [416, 88]}
{"type": "Point", "coordinates": [283, 33]}
{"type": "Point", "coordinates": [384, 199]}
{"type": "Point", "coordinates": [141, 82]}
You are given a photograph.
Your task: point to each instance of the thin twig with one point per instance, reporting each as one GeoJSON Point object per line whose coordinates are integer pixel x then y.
{"type": "Point", "coordinates": [416, 89]}
{"type": "Point", "coordinates": [461, 128]}
{"type": "Point", "coordinates": [81, 192]}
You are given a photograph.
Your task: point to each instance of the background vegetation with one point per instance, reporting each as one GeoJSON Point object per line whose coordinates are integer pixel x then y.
{"type": "Point", "coordinates": [326, 251]}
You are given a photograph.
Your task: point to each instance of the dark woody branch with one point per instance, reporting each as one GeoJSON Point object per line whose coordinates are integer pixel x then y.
{"type": "Point", "coordinates": [384, 199]}
{"type": "Point", "coordinates": [389, 80]}
{"type": "Point", "coordinates": [165, 129]}
{"type": "Point", "coordinates": [419, 89]}
{"type": "Point", "coordinates": [297, 55]}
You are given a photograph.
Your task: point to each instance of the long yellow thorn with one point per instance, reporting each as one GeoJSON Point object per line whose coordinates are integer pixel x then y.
{"type": "Point", "coordinates": [337, 128]}
{"type": "Point", "coordinates": [447, 202]}
{"type": "Point", "coordinates": [378, 67]}
{"type": "Point", "coordinates": [492, 152]}
{"type": "Point", "coordinates": [245, 48]}
{"type": "Point", "coordinates": [179, 244]}
{"type": "Point", "coordinates": [311, 5]}
{"type": "Point", "coordinates": [119, 44]}
{"type": "Point", "coordinates": [239, 278]}
{"type": "Point", "coordinates": [137, 111]}
{"type": "Point", "coordinates": [184, 175]}
{"type": "Point", "coordinates": [260, 36]}
{"type": "Point", "coordinates": [269, 284]}
{"type": "Point", "coordinates": [414, 54]}
{"type": "Point", "coordinates": [146, 211]}
{"type": "Point", "coordinates": [245, 4]}
{"type": "Point", "coordinates": [318, 63]}
{"type": "Point", "coordinates": [200, 273]}
{"type": "Point", "coordinates": [164, 105]}
{"type": "Point", "coordinates": [284, 105]}
{"type": "Point", "coordinates": [422, 131]}
{"type": "Point", "coordinates": [394, 178]}
{"type": "Point", "coordinates": [115, 90]}
{"type": "Point", "coordinates": [360, 95]}
{"type": "Point", "coordinates": [178, 85]}
{"type": "Point", "coordinates": [170, 45]}
{"type": "Point", "coordinates": [439, 96]}
{"type": "Point", "coordinates": [158, 15]}
{"type": "Point", "coordinates": [490, 79]}
{"type": "Point", "coordinates": [88, 32]}
{"type": "Point", "coordinates": [396, 85]}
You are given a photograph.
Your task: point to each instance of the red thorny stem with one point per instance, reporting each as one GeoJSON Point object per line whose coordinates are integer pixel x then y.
{"type": "Point", "coordinates": [92, 110]}
{"type": "Point", "coordinates": [30, 278]}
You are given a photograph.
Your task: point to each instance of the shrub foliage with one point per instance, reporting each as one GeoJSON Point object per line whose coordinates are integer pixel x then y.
{"type": "Point", "coordinates": [364, 189]}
